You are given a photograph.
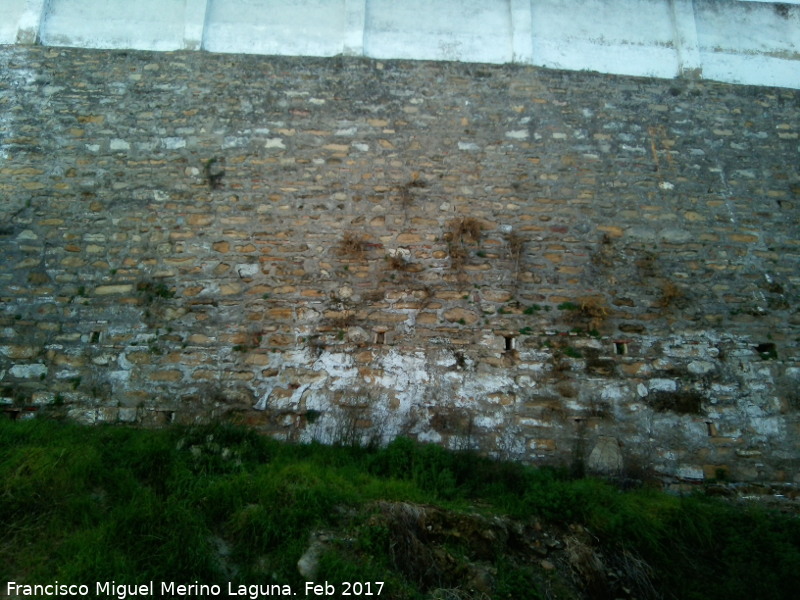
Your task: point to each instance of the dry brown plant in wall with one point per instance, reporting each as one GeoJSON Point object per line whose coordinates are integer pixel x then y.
{"type": "Point", "coordinates": [405, 190]}
{"type": "Point", "coordinates": [461, 232]}
{"type": "Point", "coordinates": [515, 245]}
{"type": "Point", "coordinates": [670, 293]}
{"type": "Point", "coordinates": [396, 263]}
{"type": "Point", "coordinates": [590, 311]}
{"type": "Point", "coordinates": [351, 245]}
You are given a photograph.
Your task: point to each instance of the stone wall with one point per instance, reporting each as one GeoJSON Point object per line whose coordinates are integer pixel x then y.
{"type": "Point", "coordinates": [550, 266]}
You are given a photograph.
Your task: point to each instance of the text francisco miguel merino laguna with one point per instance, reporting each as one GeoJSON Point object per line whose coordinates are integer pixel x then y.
{"type": "Point", "coordinates": [165, 589]}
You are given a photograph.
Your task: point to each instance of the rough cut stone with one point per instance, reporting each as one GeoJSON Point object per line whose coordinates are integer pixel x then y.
{"type": "Point", "coordinates": [606, 457]}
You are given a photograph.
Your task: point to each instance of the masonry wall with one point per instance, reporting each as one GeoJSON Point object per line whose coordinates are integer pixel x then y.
{"type": "Point", "coordinates": [549, 266]}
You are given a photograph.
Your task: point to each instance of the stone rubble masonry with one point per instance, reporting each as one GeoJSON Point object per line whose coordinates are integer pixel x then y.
{"type": "Point", "coordinates": [555, 267]}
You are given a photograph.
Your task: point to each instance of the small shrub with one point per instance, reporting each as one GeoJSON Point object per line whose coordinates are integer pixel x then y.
{"type": "Point", "coordinates": [605, 256]}
{"type": "Point", "coordinates": [590, 310]}
{"type": "Point", "coordinates": [594, 309]}
{"type": "Point", "coordinates": [516, 245]}
{"type": "Point", "coordinates": [151, 291]}
{"type": "Point", "coordinates": [647, 264]}
{"type": "Point", "coordinates": [468, 230]}
{"type": "Point", "coordinates": [461, 232]}
{"type": "Point", "coordinates": [397, 263]}
{"type": "Point", "coordinates": [406, 197]}
{"type": "Point", "coordinates": [351, 245]}
{"type": "Point", "coordinates": [670, 293]}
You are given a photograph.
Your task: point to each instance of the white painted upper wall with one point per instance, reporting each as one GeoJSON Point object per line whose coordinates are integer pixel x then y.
{"type": "Point", "coordinates": [10, 14]}
{"type": "Point", "coordinates": [140, 24]}
{"type": "Point", "coordinates": [758, 43]}
{"type": "Point", "coordinates": [738, 41]}
{"type": "Point", "coordinates": [288, 27]}
{"type": "Point", "coordinates": [464, 30]}
{"type": "Point", "coordinates": [634, 37]}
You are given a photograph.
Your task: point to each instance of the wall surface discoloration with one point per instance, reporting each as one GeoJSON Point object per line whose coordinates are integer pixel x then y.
{"type": "Point", "coordinates": [544, 265]}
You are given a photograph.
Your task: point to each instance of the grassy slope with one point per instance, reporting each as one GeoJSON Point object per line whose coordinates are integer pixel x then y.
{"type": "Point", "coordinates": [218, 504]}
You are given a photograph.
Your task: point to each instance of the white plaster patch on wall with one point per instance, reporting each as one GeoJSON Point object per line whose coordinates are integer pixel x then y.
{"type": "Point", "coordinates": [87, 416]}
{"type": "Point", "coordinates": [28, 371]}
{"type": "Point", "coordinates": [266, 392]}
{"type": "Point", "coordinates": [766, 426]}
{"type": "Point", "coordinates": [700, 367]}
{"type": "Point", "coordinates": [690, 473]}
{"type": "Point", "coordinates": [489, 420]}
{"type": "Point", "coordinates": [662, 385]}
{"type": "Point", "coordinates": [615, 393]}
{"type": "Point", "coordinates": [297, 395]}
{"type": "Point", "coordinates": [119, 378]}
{"type": "Point", "coordinates": [173, 143]}
{"type": "Point", "coordinates": [339, 367]}
{"type": "Point", "coordinates": [480, 385]}
{"type": "Point", "coordinates": [429, 436]}
{"type": "Point", "coordinates": [405, 374]}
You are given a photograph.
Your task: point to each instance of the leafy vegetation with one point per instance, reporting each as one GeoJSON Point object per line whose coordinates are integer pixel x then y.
{"type": "Point", "coordinates": [220, 503]}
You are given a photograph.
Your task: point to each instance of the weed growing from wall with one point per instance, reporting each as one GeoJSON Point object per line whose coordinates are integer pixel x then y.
{"type": "Point", "coordinates": [154, 296]}
{"type": "Point", "coordinates": [352, 245]}
{"type": "Point", "coordinates": [405, 191]}
{"type": "Point", "coordinates": [589, 312]}
{"type": "Point", "coordinates": [462, 236]}
{"type": "Point", "coordinates": [396, 263]}
{"type": "Point", "coordinates": [515, 248]}
{"type": "Point", "coordinates": [671, 294]}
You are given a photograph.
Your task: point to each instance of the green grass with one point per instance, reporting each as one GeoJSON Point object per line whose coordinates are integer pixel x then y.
{"type": "Point", "coordinates": [219, 503]}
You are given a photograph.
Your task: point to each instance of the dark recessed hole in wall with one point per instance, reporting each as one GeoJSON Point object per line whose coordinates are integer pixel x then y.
{"type": "Point", "coordinates": [214, 172]}
{"type": "Point", "coordinates": [766, 351]}
{"type": "Point", "coordinates": [682, 402]}
{"type": "Point", "coordinates": [380, 337]}
{"type": "Point", "coordinates": [95, 337]}
{"type": "Point", "coordinates": [509, 343]}
{"type": "Point", "coordinates": [621, 348]}
{"type": "Point", "coordinates": [712, 429]}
